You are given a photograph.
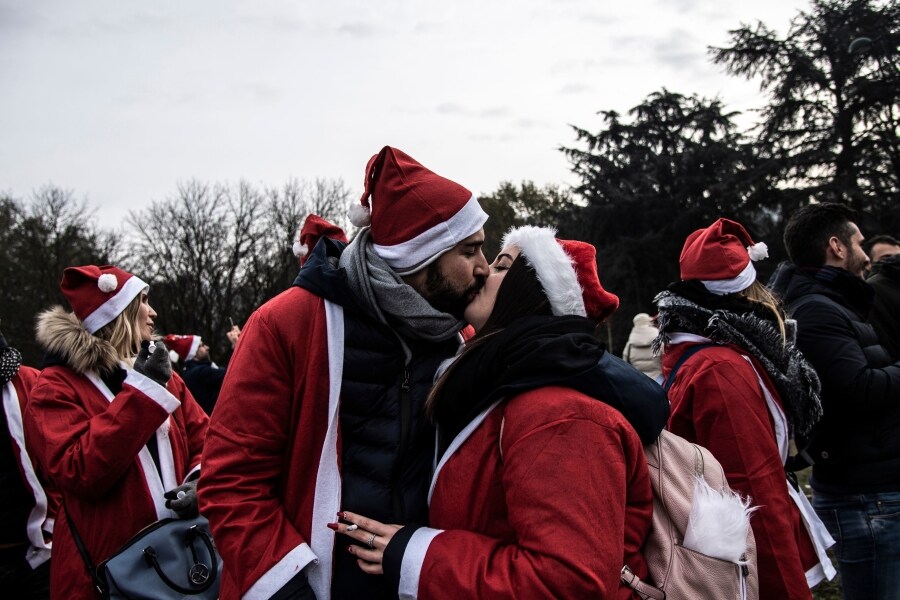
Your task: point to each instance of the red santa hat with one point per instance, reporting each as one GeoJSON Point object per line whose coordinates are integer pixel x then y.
{"type": "Point", "coordinates": [314, 227]}
{"type": "Point", "coordinates": [182, 347]}
{"type": "Point", "coordinates": [721, 257]}
{"type": "Point", "coordinates": [98, 295]}
{"type": "Point", "coordinates": [567, 271]}
{"type": "Point", "coordinates": [415, 214]}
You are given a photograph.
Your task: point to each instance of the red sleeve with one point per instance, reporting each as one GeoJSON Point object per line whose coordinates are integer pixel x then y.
{"type": "Point", "coordinates": [572, 475]}
{"type": "Point", "coordinates": [27, 377]}
{"type": "Point", "coordinates": [718, 404]}
{"type": "Point", "coordinates": [246, 461]}
{"type": "Point", "coordinates": [82, 451]}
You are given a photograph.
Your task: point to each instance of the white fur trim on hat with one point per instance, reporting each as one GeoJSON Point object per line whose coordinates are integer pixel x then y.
{"type": "Point", "coordinates": [300, 249]}
{"type": "Point", "coordinates": [173, 356]}
{"type": "Point", "coordinates": [419, 252]}
{"type": "Point", "coordinates": [195, 344]}
{"type": "Point", "coordinates": [723, 287]}
{"type": "Point", "coordinates": [113, 307]}
{"type": "Point", "coordinates": [552, 265]}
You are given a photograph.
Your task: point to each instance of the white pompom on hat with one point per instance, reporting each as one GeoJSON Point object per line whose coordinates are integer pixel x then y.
{"type": "Point", "coordinates": [415, 215]}
{"type": "Point", "coordinates": [98, 295]}
{"type": "Point", "coordinates": [721, 257]}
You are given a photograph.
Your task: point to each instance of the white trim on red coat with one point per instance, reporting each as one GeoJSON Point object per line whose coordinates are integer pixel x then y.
{"type": "Point", "coordinates": [413, 559]}
{"type": "Point", "coordinates": [39, 552]}
{"type": "Point", "coordinates": [327, 499]}
{"type": "Point", "coordinates": [458, 441]}
{"type": "Point", "coordinates": [417, 547]}
{"type": "Point", "coordinates": [157, 480]}
{"type": "Point", "coordinates": [819, 536]}
{"type": "Point", "coordinates": [315, 558]}
{"type": "Point", "coordinates": [778, 419]}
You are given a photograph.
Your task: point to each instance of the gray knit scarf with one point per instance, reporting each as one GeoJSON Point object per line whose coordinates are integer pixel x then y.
{"type": "Point", "coordinates": [389, 299]}
{"type": "Point", "coordinates": [794, 378]}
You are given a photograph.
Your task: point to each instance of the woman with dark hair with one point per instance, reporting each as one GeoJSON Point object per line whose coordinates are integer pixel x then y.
{"type": "Point", "coordinates": [113, 429]}
{"type": "Point", "coordinates": [542, 489]}
{"type": "Point", "coordinates": [742, 389]}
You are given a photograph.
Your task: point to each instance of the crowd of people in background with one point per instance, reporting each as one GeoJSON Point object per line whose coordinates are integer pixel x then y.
{"type": "Point", "coordinates": [409, 420]}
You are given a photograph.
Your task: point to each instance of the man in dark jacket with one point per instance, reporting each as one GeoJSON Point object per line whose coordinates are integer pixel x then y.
{"type": "Point", "coordinates": [885, 280]}
{"type": "Point", "coordinates": [881, 247]}
{"type": "Point", "coordinates": [855, 448]}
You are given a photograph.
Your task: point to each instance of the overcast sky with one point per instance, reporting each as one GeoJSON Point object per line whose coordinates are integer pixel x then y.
{"type": "Point", "coordinates": [119, 101]}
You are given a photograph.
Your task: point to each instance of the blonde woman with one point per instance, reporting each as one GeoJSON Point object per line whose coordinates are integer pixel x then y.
{"type": "Point", "coordinates": [116, 432]}
{"type": "Point", "coordinates": [739, 388]}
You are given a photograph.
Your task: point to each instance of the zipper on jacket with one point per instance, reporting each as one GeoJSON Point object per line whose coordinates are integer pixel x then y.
{"type": "Point", "coordinates": [405, 418]}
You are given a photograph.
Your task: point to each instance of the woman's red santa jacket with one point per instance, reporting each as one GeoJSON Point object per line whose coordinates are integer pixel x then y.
{"type": "Point", "coordinates": [91, 444]}
{"type": "Point", "coordinates": [554, 514]}
{"type": "Point", "coordinates": [717, 402]}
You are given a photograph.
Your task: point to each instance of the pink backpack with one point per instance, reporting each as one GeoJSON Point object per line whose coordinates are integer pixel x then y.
{"type": "Point", "coordinates": [676, 571]}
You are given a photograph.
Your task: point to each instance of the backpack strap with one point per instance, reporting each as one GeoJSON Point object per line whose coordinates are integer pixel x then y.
{"type": "Point", "coordinates": [644, 589]}
{"type": "Point", "coordinates": [681, 360]}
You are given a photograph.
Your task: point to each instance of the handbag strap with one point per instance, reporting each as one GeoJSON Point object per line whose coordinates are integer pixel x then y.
{"type": "Point", "coordinates": [99, 584]}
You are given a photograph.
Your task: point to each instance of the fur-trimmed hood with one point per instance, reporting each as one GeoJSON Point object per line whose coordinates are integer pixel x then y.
{"type": "Point", "coordinates": [62, 334]}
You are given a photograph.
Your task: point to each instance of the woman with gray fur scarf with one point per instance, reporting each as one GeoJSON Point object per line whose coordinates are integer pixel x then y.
{"type": "Point", "coordinates": [740, 388]}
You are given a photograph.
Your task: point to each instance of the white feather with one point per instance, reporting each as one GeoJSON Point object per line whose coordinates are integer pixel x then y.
{"type": "Point", "coordinates": [107, 282]}
{"type": "Point", "coordinates": [718, 523]}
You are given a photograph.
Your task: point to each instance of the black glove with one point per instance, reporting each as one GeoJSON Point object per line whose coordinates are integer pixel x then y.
{"type": "Point", "coordinates": [156, 366]}
{"type": "Point", "coordinates": [183, 500]}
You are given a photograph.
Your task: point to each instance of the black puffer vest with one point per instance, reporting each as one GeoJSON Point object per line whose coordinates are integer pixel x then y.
{"type": "Point", "coordinates": [387, 444]}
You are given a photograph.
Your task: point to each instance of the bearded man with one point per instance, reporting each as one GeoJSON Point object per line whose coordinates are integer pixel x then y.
{"type": "Point", "coordinates": [322, 408]}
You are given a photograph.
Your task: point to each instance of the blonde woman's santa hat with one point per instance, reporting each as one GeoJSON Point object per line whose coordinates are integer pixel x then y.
{"type": "Point", "coordinates": [414, 214]}
{"type": "Point", "coordinates": [721, 257]}
{"type": "Point", "coordinates": [313, 228]}
{"type": "Point", "coordinates": [98, 295]}
{"type": "Point", "coordinates": [182, 347]}
{"type": "Point", "coordinates": [566, 270]}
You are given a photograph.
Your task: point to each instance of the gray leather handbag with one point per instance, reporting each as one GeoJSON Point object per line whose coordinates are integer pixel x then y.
{"type": "Point", "coordinates": [171, 558]}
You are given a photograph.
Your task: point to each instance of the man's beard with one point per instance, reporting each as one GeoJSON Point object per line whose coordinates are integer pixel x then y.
{"type": "Point", "coordinates": [857, 267]}
{"type": "Point", "coordinates": [444, 297]}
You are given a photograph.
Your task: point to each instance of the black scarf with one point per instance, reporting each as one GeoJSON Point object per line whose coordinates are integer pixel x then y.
{"type": "Point", "coordinates": [732, 319]}
{"type": "Point", "coordinates": [531, 352]}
